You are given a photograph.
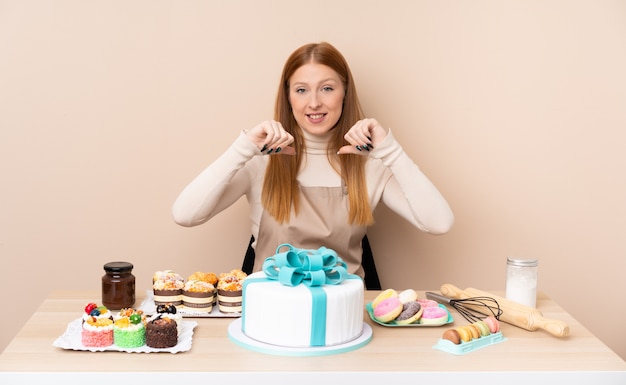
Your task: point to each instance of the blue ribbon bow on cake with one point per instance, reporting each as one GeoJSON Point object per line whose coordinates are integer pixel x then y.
{"type": "Point", "coordinates": [309, 267]}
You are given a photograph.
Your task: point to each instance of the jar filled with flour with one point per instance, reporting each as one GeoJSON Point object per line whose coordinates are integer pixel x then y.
{"type": "Point", "coordinates": [521, 281]}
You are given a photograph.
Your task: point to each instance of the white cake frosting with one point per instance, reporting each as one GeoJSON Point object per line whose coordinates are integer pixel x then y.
{"type": "Point", "coordinates": [282, 315]}
{"type": "Point", "coordinates": [96, 328]}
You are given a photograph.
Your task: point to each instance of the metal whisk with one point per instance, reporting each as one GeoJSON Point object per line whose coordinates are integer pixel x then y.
{"type": "Point", "coordinates": [472, 309]}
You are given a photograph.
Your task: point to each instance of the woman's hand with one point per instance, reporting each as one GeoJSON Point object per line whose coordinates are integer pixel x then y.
{"type": "Point", "coordinates": [271, 138]}
{"type": "Point", "coordinates": [364, 136]}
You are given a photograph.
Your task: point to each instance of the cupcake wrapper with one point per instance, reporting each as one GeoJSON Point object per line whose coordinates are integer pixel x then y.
{"type": "Point", "coordinates": [229, 301]}
{"type": "Point", "coordinates": [166, 297]}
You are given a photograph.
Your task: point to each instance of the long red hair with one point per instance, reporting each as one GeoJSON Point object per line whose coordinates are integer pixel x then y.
{"type": "Point", "coordinates": [280, 188]}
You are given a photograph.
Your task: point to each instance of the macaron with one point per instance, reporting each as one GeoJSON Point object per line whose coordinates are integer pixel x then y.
{"type": "Point", "coordinates": [452, 335]}
{"type": "Point", "coordinates": [474, 330]}
{"type": "Point", "coordinates": [492, 322]}
{"type": "Point", "coordinates": [388, 309]}
{"type": "Point", "coordinates": [482, 326]}
{"type": "Point", "coordinates": [411, 313]}
{"type": "Point", "coordinates": [408, 295]}
{"type": "Point", "coordinates": [434, 315]}
{"type": "Point", "coordinates": [389, 293]}
{"type": "Point", "coordinates": [464, 333]}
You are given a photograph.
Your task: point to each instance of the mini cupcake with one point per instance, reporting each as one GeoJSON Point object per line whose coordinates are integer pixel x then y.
{"type": "Point", "coordinates": [166, 275]}
{"type": "Point", "coordinates": [99, 312]}
{"type": "Point", "coordinates": [97, 332]}
{"type": "Point", "coordinates": [161, 332]}
{"type": "Point", "coordinates": [198, 296]}
{"type": "Point", "coordinates": [208, 278]}
{"type": "Point", "coordinates": [229, 291]}
{"type": "Point", "coordinates": [172, 313]}
{"type": "Point", "coordinates": [129, 330]}
{"type": "Point", "coordinates": [168, 288]}
{"type": "Point", "coordinates": [127, 312]}
{"type": "Point", "coordinates": [204, 277]}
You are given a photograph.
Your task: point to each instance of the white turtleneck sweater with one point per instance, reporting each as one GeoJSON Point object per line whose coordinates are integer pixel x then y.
{"type": "Point", "coordinates": [391, 177]}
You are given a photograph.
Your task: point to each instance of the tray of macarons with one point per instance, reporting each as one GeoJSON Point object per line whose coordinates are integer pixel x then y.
{"type": "Point", "coordinates": [468, 338]}
{"type": "Point", "coordinates": [403, 309]}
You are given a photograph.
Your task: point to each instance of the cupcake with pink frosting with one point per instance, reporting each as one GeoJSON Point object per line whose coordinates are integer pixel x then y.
{"type": "Point", "coordinates": [97, 332]}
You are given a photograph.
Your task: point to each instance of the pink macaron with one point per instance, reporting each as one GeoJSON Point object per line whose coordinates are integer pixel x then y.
{"type": "Point", "coordinates": [493, 324]}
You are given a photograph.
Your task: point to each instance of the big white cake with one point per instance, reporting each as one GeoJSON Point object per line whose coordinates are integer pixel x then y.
{"type": "Point", "coordinates": [282, 315]}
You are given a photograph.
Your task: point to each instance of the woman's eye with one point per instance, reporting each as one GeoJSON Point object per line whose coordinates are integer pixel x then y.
{"type": "Point", "coordinates": [300, 90]}
{"type": "Point", "coordinates": [328, 88]}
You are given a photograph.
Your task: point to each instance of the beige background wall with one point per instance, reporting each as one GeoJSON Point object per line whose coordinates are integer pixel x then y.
{"type": "Point", "coordinates": [515, 109]}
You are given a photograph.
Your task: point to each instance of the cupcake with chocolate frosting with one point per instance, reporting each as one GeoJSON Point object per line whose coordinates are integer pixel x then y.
{"type": "Point", "coordinates": [161, 332]}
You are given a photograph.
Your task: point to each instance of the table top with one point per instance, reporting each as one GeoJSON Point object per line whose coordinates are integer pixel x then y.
{"type": "Point", "coordinates": [392, 353]}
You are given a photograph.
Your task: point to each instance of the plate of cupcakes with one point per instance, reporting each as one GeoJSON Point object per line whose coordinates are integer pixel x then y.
{"type": "Point", "coordinates": [200, 295]}
{"type": "Point", "coordinates": [394, 308]}
{"type": "Point", "coordinates": [128, 330]}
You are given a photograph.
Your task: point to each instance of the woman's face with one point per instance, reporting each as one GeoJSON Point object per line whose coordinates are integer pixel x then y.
{"type": "Point", "coordinates": [316, 95]}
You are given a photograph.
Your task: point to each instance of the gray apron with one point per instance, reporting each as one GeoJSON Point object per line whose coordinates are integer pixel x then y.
{"type": "Point", "coordinates": [322, 221]}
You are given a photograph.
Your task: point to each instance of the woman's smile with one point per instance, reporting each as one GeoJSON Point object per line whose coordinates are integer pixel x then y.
{"type": "Point", "coordinates": [316, 118]}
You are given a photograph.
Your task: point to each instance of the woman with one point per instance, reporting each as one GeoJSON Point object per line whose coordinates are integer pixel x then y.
{"type": "Point", "coordinates": [314, 174]}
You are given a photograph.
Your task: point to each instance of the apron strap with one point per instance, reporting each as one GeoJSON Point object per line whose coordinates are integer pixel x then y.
{"type": "Point", "coordinates": [369, 267]}
{"type": "Point", "coordinates": [248, 259]}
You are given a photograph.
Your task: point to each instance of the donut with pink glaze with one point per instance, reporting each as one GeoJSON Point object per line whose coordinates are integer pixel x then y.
{"type": "Point", "coordinates": [388, 309]}
{"type": "Point", "coordinates": [434, 315]}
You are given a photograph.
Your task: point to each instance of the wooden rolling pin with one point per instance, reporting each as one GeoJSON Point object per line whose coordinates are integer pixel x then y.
{"type": "Point", "coordinates": [513, 313]}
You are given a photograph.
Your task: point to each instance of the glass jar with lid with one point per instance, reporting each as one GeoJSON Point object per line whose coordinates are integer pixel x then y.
{"type": "Point", "coordinates": [118, 285]}
{"type": "Point", "coordinates": [521, 281]}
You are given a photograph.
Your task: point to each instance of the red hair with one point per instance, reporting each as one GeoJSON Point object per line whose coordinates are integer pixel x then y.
{"type": "Point", "coordinates": [280, 188]}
